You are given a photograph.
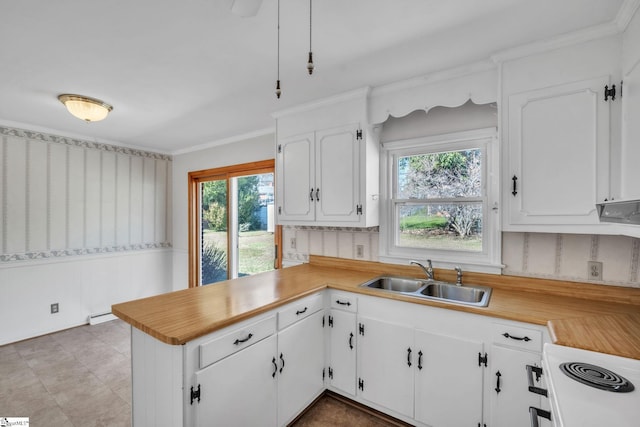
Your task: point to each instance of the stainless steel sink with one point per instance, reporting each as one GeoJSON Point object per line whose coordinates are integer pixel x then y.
{"type": "Point", "coordinates": [395, 284]}
{"type": "Point", "coordinates": [465, 294]}
{"type": "Point", "coordinates": [434, 290]}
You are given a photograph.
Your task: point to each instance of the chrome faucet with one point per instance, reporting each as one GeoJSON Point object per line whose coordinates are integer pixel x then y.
{"type": "Point", "coordinates": [459, 276]}
{"type": "Point", "coordinates": [427, 270]}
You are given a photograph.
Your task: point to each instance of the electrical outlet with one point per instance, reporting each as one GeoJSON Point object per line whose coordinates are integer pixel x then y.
{"type": "Point", "coordinates": [359, 251]}
{"type": "Point", "coordinates": [595, 270]}
{"type": "Point", "coordinates": [55, 308]}
{"type": "Point", "coordinates": [292, 243]}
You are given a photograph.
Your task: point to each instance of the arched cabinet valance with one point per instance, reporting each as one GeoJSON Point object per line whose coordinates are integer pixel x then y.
{"type": "Point", "coordinates": [478, 83]}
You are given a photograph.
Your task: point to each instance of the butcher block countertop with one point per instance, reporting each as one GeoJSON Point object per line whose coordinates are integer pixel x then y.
{"type": "Point", "coordinates": [593, 317]}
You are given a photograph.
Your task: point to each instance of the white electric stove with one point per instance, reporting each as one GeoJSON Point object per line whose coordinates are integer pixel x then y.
{"type": "Point", "coordinates": [591, 389]}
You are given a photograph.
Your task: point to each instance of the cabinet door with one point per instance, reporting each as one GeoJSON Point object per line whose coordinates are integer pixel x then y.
{"type": "Point", "coordinates": [295, 174]}
{"type": "Point", "coordinates": [630, 178]}
{"type": "Point", "coordinates": [300, 361]}
{"type": "Point", "coordinates": [342, 351]}
{"type": "Point", "coordinates": [510, 405]}
{"type": "Point", "coordinates": [559, 153]}
{"type": "Point", "coordinates": [337, 174]}
{"type": "Point", "coordinates": [448, 386]}
{"type": "Point", "coordinates": [239, 390]}
{"type": "Point", "coordinates": [385, 361]}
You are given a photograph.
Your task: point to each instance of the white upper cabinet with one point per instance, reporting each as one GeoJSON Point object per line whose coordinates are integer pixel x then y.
{"type": "Point", "coordinates": [556, 137]}
{"type": "Point", "coordinates": [630, 180]}
{"type": "Point", "coordinates": [559, 153]}
{"type": "Point", "coordinates": [327, 164]}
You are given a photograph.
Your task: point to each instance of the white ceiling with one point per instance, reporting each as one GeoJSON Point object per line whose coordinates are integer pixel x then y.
{"type": "Point", "coordinates": [184, 73]}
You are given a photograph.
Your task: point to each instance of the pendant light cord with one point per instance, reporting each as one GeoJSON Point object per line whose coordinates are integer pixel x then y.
{"type": "Point", "coordinates": [310, 21]}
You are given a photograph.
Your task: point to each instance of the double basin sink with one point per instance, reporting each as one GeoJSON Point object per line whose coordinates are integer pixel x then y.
{"type": "Point", "coordinates": [477, 296]}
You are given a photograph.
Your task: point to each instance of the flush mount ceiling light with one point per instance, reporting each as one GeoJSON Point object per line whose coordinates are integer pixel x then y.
{"type": "Point", "coordinates": [85, 108]}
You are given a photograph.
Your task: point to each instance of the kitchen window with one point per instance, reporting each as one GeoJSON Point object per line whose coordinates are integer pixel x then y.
{"type": "Point", "coordinates": [232, 231]}
{"type": "Point", "coordinates": [440, 200]}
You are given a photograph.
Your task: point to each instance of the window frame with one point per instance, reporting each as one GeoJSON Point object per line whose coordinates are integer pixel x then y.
{"type": "Point", "coordinates": [487, 260]}
{"type": "Point", "coordinates": [194, 214]}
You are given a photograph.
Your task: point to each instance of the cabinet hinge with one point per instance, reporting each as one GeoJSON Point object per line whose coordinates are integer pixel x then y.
{"type": "Point", "coordinates": [483, 359]}
{"type": "Point", "coordinates": [330, 373]}
{"type": "Point", "coordinates": [360, 384]}
{"type": "Point", "coordinates": [361, 329]}
{"type": "Point", "coordinates": [331, 321]}
{"type": "Point", "coordinates": [359, 210]}
{"type": "Point", "coordinates": [359, 134]}
{"type": "Point", "coordinates": [195, 394]}
{"type": "Point", "coordinates": [279, 148]}
{"type": "Point", "coordinates": [610, 92]}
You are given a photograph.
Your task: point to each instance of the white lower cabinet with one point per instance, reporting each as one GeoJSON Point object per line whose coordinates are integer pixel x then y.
{"type": "Point", "coordinates": [448, 380]}
{"type": "Point", "coordinates": [301, 361]}
{"type": "Point", "coordinates": [424, 365]}
{"type": "Point", "coordinates": [510, 397]}
{"type": "Point", "coordinates": [239, 390]}
{"type": "Point", "coordinates": [434, 379]}
{"type": "Point", "coordinates": [385, 366]}
{"type": "Point", "coordinates": [341, 369]}
{"type": "Point", "coordinates": [514, 347]}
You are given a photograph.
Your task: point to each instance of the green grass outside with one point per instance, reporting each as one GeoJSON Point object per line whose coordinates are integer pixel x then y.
{"type": "Point", "coordinates": [256, 249]}
{"type": "Point", "coordinates": [421, 222]}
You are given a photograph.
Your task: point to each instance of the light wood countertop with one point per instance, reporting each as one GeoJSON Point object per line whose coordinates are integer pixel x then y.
{"type": "Point", "coordinates": [594, 317]}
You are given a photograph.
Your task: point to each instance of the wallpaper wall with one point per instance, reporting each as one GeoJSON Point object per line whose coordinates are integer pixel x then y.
{"type": "Point", "coordinates": [61, 196]}
{"type": "Point", "coordinates": [543, 255]}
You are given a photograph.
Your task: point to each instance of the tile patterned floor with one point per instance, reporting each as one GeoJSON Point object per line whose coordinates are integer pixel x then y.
{"type": "Point", "coordinates": [77, 377]}
{"type": "Point", "coordinates": [82, 377]}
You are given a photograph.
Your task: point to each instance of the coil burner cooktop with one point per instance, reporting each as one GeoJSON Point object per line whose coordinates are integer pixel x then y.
{"type": "Point", "coordinates": [596, 376]}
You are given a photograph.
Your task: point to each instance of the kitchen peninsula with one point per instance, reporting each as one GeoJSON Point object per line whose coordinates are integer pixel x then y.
{"type": "Point", "coordinates": [173, 333]}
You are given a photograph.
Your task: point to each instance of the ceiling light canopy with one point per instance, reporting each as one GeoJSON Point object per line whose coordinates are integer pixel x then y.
{"type": "Point", "coordinates": [85, 108]}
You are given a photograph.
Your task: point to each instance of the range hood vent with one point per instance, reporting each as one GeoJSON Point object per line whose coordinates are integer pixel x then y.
{"type": "Point", "coordinates": [620, 211]}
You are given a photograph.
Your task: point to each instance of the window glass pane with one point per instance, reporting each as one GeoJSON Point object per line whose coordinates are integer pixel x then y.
{"type": "Point", "coordinates": [440, 175]}
{"type": "Point", "coordinates": [213, 254]}
{"type": "Point", "coordinates": [256, 248]}
{"type": "Point", "coordinates": [452, 226]}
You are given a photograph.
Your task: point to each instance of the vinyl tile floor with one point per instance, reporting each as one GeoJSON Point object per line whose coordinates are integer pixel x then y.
{"type": "Point", "coordinates": [82, 377]}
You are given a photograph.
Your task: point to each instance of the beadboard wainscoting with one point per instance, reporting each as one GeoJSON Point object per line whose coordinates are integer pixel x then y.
{"type": "Point", "coordinates": [542, 255]}
{"type": "Point", "coordinates": [82, 224]}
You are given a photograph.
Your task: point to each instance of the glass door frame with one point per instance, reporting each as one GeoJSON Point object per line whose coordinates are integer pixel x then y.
{"type": "Point", "coordinates": [195, 201]}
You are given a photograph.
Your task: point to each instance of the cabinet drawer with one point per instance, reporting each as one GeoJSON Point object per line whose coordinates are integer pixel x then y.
{"type": "Point", "coordinates": [517, 336]}
{"type": "Point", "coordinates": [298, 310]}
{"type": "Point", "coordinates": [240, 338]}
{"type": "Point", "coordinates": [342, 301]}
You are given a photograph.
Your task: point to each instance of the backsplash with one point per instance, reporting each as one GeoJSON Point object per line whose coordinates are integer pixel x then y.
{"type": "Point", "coordinates": [543, 255]}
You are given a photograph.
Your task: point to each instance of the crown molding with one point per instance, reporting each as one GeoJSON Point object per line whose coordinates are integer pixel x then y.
{"type": "Point", "coordinates": [569, 39]}
{"type": "Point", "coordinates": [236, 138]}
{"type": "Point", "coordinates": [437, 76]}
{"type": "Point", "coordinates": [361, 93]}
{"type": "Point", "coordinates": [625, 14]}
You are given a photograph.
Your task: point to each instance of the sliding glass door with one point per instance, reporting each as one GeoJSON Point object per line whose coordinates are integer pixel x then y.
{"type": "Point", "coordinates": [232, 216]}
